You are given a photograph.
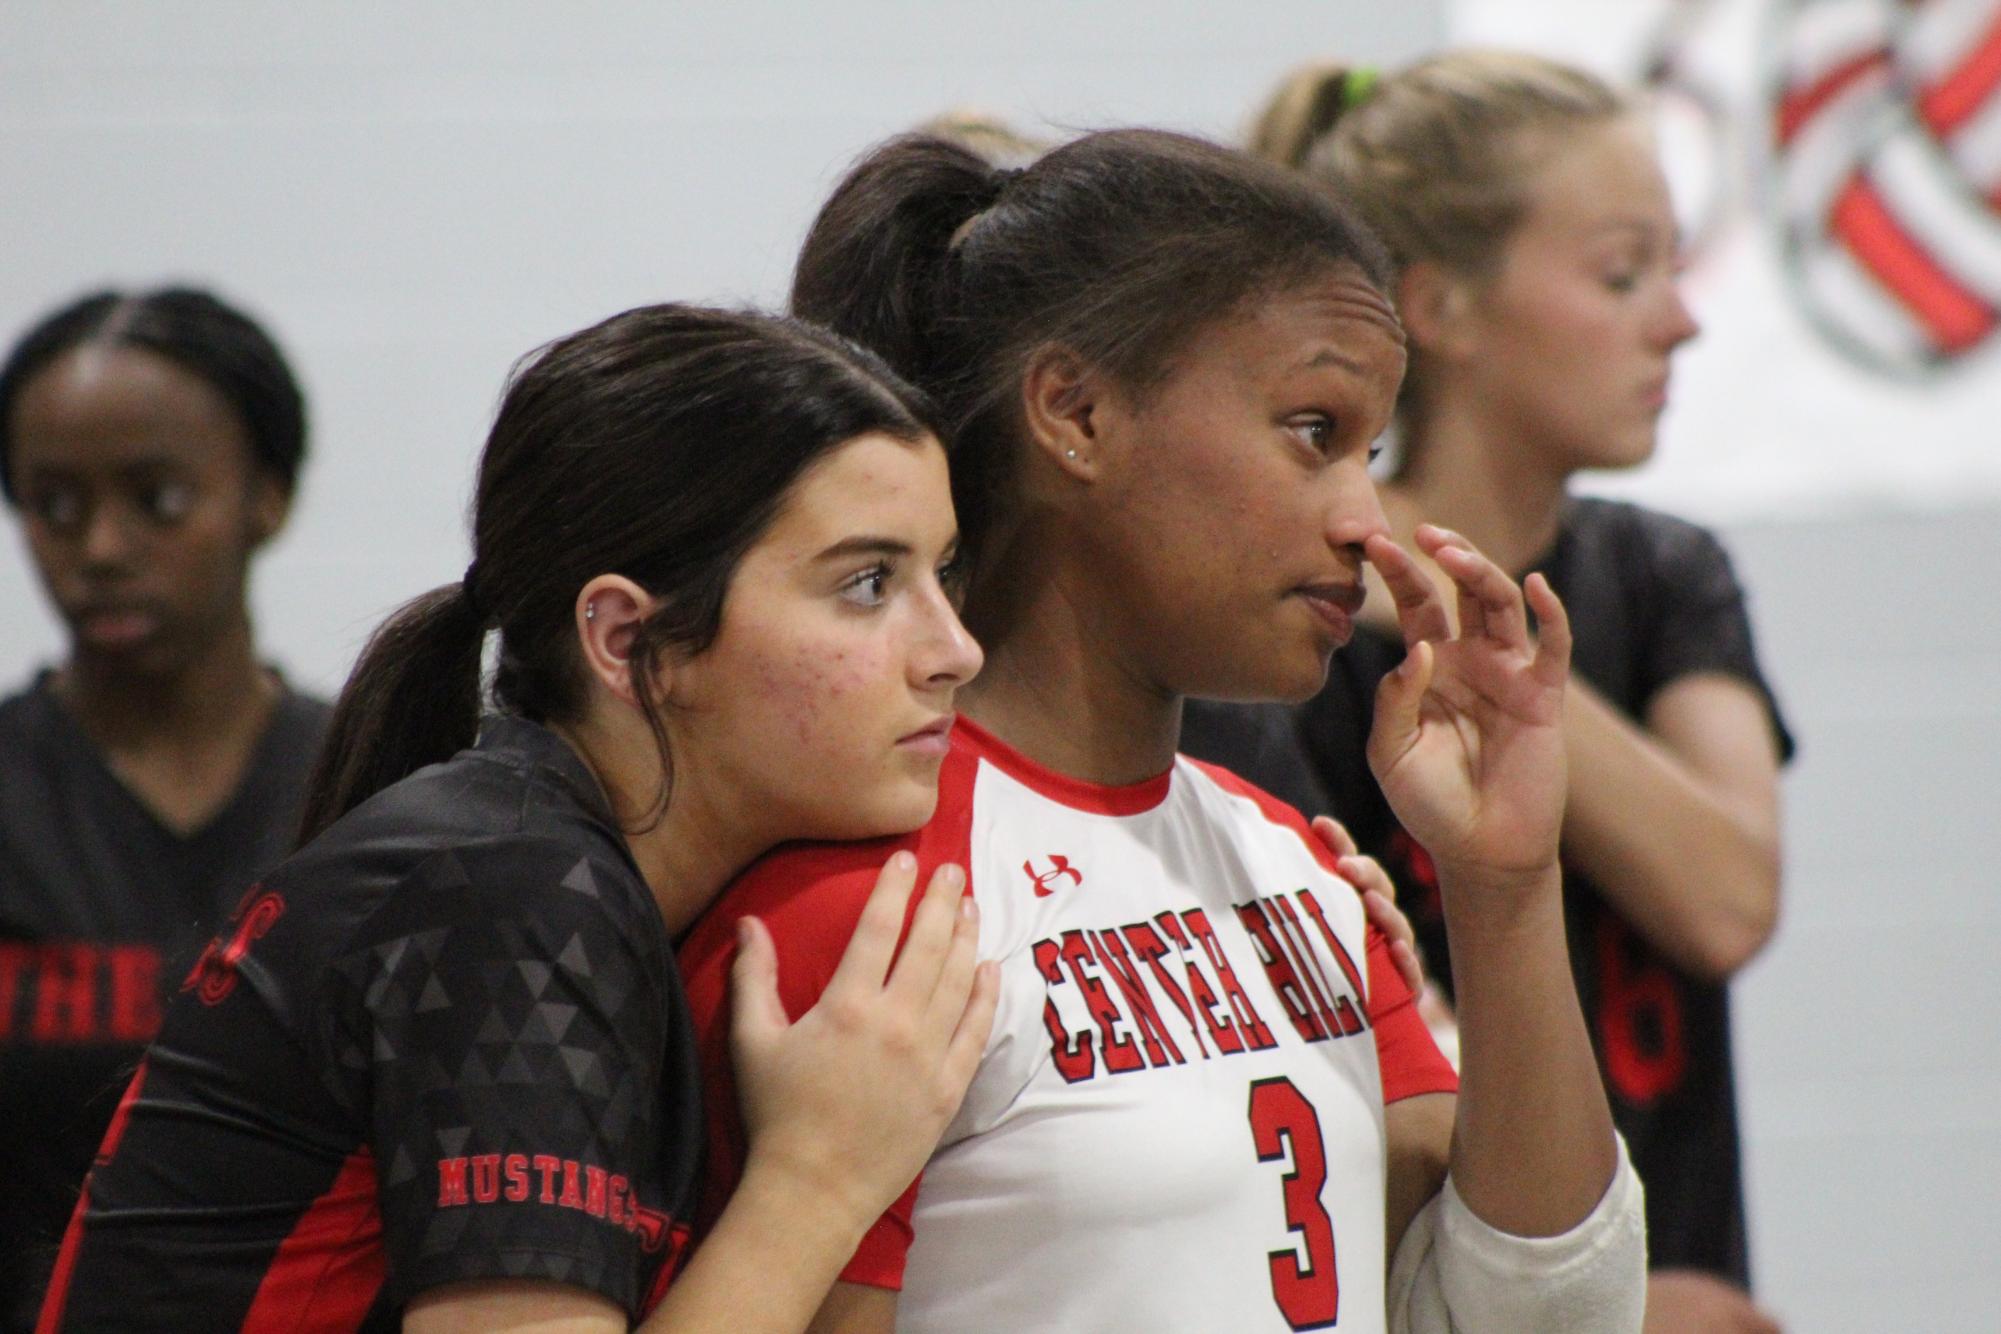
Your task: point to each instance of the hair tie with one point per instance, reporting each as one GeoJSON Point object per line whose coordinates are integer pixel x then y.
{"type": "Point", "coordinates": [1358, 84]}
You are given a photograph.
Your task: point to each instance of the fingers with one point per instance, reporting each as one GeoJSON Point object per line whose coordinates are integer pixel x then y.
{"type": "Point", "coordinates": [1420, 609]}
{"type": "Point", "coordinates": [947, 1002]}
{"type": "Point", "coordinates": [1335, 836]}
{"type": "Point", "coordinates": [866, 960]}
{"type": "Point", "coordinates": [755, 1010]}
{"type": "Point", "coordinates": [925, 949]}
{"type": "Point", "coordinates": [976, 1022]}
{"type": "Point", "coordinates": [1400, 700]}
{"type": "Point", "coordinates": [1490, 604]}
{"type": "Point", "coordinates": [1552, 655]}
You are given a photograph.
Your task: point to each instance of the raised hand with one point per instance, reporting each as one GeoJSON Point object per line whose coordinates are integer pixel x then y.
{"type": "Point", "coordinates": [850, 1099]}
{"type": "Point", "coordinates": [1467, 743]}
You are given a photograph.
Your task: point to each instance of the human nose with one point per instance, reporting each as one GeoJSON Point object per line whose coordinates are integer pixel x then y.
{"type": "Point", "coordinates": [947, 655]}
{"type": "Point", "coordinates": [107, 535]}
{"type": "Point", "coordinates": [1355, 509]}
{"type": "Point", "coordinates": [1678, 323]}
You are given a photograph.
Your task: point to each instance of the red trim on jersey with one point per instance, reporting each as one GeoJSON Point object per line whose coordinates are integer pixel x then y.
{"type": "Point", "coordinates": [1096, 798]}
{"type": "Point", "coordinates": [1406, 1053]}
{"type": "Point", "coordinates": [57, 1297]}
{"type": "Point", "coordinates": [810, 895]}
{"type": "Point", "coordinates": [332, 1265]}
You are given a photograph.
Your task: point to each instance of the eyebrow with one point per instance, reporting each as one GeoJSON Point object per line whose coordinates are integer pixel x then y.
{"type": "Point", "coordinates": [865, 546]}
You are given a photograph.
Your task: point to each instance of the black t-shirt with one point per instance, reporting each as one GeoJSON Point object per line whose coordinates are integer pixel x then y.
{"type": "Point", "coordinates": [445, 1041]}
{"type": "Point", "coordinates": [102, 909]}
{"type": "Point", "coordinates": [1651, 599]}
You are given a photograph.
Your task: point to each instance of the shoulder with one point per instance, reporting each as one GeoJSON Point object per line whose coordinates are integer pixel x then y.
{"type": "Point", "coordinates": [27, 718]}
{"type": "Point", "coordinates": [1638, 537]}
{"type": "Point", "coordinates": [810, 895]}
{"type": "Point", "coordinates": [1267, 816]}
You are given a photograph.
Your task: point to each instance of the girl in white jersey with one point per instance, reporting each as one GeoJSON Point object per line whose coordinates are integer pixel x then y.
{"type": "Point", "coordinates": [1207, 1103]}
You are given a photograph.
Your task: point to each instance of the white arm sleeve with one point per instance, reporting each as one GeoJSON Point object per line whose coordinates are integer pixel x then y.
{"type": "Point", "coordinates": [1453, 1274]}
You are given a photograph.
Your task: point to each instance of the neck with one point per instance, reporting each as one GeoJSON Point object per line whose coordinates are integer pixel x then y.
{"type": "Point", "coordinates": [1468, 474]}
{"type": "Point", "coordinates": [198, 706]}
{"type": "Point", "coordinates": [687, 853]}
{"type": "Point", "coordinates": [1053, 691]}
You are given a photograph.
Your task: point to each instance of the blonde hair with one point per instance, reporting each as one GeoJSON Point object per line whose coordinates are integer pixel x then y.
{"type": "Point", "coordinates": [1438, 157]}
{"type": "Point", "coordinates": [987, 135]}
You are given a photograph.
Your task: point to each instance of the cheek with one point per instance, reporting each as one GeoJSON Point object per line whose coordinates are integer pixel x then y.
{"type": "Point", "coordinates": [821, 693]}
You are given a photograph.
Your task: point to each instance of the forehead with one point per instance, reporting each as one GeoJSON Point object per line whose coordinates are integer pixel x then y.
{"type": "Point", "coordinates": [102, 405]}
{"type": "Point", "coordinates": [874, 481]}
{"type": "Point", "coordinates": [1337, 320]}
{"type": "Point", "coordinates": [1598, 178]}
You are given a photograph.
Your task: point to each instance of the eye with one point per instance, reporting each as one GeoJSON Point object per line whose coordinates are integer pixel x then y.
{"type": "Point", "coordinates": [952, 577]}
{"type": "Point", "coordinates": [1622, 282]}
{"type": "Point", "coordinates": [60, 507]}
{"type": "Point", "coordinates": [167, 502]}
{"type": "Point", "coordinates": [1316, 429]}
{"type": "Point", "coordinates": [867, 588]}
{"type": "Point", "coordinates": [1376, 448]}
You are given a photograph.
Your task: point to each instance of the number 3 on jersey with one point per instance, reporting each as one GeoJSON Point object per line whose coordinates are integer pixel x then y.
{"type": "Point", "coordinates": [1282, 1122]}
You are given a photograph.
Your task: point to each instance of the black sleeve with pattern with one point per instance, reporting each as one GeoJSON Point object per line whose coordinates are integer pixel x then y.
{"type": "Point", "coordinates": [1703, 625]}
{"type": "Point", "coordinates": [500, 1029]}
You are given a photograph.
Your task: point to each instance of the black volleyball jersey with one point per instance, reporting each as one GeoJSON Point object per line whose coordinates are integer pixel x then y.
{"type": "Point", "coordinates": [1651, 599]}
{"type": "Point", "coordinates": [102, 909]}
{"type": "Point", "coordinates": [445, 1041]}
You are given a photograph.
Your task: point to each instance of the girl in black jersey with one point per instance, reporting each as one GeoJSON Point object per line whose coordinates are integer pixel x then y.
{"type": "Point", "coordinates": [1537, 257]}
{"type": "Point", "coordinates": [437, 1072]}
{"type": "Point", "coordinates": [149, 446]}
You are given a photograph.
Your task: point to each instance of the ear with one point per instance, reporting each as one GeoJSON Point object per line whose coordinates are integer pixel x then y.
{"type": "Point", "coordinates": [270, 505]}
{"type": "Point", "coordinates": [1063, 403]}
{"type": "Point", "coordinates": [609, 611]}
{"type": "Point", "coordinates": [1437, 306]}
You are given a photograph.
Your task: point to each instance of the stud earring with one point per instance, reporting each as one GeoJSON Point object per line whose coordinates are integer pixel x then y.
{"type": "Point", "coordinates": [1069, 453]}
{"type": "Point", "coordinates": [590, 611]}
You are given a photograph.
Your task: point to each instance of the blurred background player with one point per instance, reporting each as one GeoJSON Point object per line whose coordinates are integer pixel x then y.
{"type": "Point", "coordinates": [1537, 255]}
{"type": "Point", "coordinates": [149, 445]}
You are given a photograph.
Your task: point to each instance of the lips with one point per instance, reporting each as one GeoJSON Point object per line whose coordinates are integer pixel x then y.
{"type": "Point", "coordinates": [1335, 604]}
{"type": "Point", "coordinates": [115, 625]}
{"type": "Point", "coordinates": [934, 738]}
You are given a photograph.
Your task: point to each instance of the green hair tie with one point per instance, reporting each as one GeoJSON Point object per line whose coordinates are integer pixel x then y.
{"type": "Point", "coordinates": [1357, 84]}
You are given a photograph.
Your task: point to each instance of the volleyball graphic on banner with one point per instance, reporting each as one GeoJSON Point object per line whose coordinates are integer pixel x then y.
{"type": "Point", "coordinates": [1886, 137]}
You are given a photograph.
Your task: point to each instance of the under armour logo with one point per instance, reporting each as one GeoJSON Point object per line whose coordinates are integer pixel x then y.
{"type": "Point", "coordinates": [1059, 866]}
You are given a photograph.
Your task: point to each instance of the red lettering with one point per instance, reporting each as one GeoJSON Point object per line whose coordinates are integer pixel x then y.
{"type": "Point", "coordinates": [1112, 957]}
{"type": "Point", "coordinates": [451, 1182]}
{"type": "Point", "coordinates": [1279, 970]}
{"type": "Point", "coordinates": [486, 1178]}
{"type": "Point", "coordinates": [1350, 1014]}
{"type": "Point", "coordinates": [516, 1171]}
{"type": "Point", "coordinates": [1256, 1035]}
{"type": "Point", "coordinates": [1293, 932]}
{"type": "Point", "coordinates": [66, 987]}
{"type": "Point", "coordinates": [1151, 949]}
{"type": "Point", "coordinates": [572, 1198]}
{"type": "Point", "coordinates": [1121, 1057]}
{"type": "Point", "coordinates": [1073, 1056]}
{"type": "Point", "coordinates": [595, 1182]}
{"type": "Point", "coordinates": [135, 993]}
{"type": "Point", "coordinates": [1228, 1041]}
{"type": "Point", "coordinates": [547, 1166]}
{"type": "Point", "coordinates": [615, 1203]}
{"type": "Point", "coordinates": [1639, 1017]}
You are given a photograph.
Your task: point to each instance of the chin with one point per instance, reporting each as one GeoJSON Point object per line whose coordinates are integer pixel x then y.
{"type": "Point", "coordinates": [896, 807]}
{"type": "Point", "coordinates": [1290, 674]}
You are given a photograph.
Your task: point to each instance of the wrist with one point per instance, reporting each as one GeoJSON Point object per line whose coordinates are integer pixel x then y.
{"type": "Point", "coordinates": [1498, 885]}
{"type": "Point", "coordinates": [816, 1200]}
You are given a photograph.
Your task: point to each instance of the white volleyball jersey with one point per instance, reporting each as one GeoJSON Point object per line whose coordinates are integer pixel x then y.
{"type": "Point", "coordinates": [1178, 1120]}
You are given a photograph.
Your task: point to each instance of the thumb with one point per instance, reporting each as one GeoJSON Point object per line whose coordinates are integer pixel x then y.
{"type": "Point", "coordinates": [1399, 700]}
{"type": "Point", "coordinates": [756, 1013]}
